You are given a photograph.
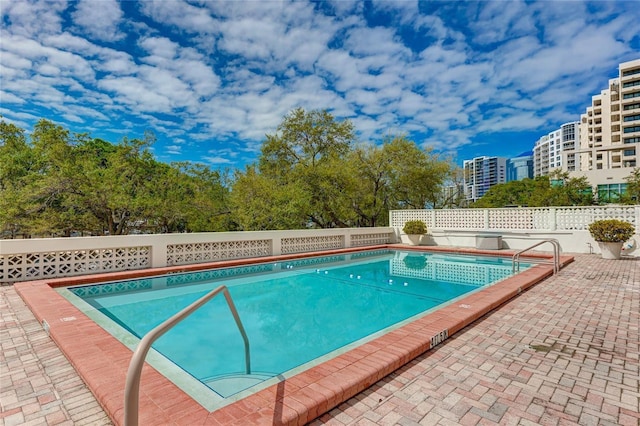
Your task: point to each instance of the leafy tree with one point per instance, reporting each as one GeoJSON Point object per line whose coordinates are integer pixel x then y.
{"type": "Point", "coordinates": [258, 203]}
{"type": "Point", "coordinates": [554, 190]}
{"type": "Point", "coordinates": [371, 198]}
{"type": "Point", "coordinates": [632, 194]}
{"type": "Point", "coordinates": [206, 202]}
{"type": "Point", "coordinates": [16, 163]}
{"type": "Point", "coordinates": [417, 175]}
{"type": "Point", "coordinates": [395, 175]}
{"type": "Point", "coordinates": [311, 174]}
{"type": "Point", "coordinates": [300, 162]}
{"type": "Point", "coordinates": [64, 184]}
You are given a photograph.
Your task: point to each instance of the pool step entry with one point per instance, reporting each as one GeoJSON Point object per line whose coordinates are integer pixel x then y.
{"type": "Point", "coordinates": [230, 384]}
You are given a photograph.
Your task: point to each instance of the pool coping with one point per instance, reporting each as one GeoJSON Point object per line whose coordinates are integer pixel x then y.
{"type": "Point", "coordinates": [102, 361]}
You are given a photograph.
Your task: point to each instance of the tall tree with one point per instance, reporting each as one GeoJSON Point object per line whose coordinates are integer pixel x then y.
{"type": "Point", "coordinates": [300, 161]}
{"type": "Point", "coordinates": [16, 162]}
{"type": "Point", "coordinates": [417, 175]}
{"type": "Point", "coordinates": [632, 194]}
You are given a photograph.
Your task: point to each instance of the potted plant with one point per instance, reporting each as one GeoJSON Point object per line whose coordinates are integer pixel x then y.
{"type": "Point", "coordinates": [414, 229]}
{"type": "Point", "coordinates": [611, 235]}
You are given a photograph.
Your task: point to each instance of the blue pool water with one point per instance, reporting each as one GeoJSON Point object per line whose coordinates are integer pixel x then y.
{"type": "Point", "coordinates": [293, 312]}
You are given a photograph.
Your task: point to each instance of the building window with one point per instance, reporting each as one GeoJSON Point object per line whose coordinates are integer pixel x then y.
{"type": "Point", "coordinates": [631, 95]}
{"type": "Point", "coordinates": [631, 84]}
{"type": "Point", "coordinates": [631, 106]}
{"type": "Point", "coordinates": [632, 118]}
{"type": "Point", "coordinates": [630, 72]}
{"type": "Point", "coordinates": [632, 129]}
{"type": "Point", "coordinates": [628, 152]}
{"type": "Point", "coordinates": [631, 140]}
{"type": "Point", "coordinates": [611, 193]}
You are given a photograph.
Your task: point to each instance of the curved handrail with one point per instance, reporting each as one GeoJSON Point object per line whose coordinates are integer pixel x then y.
{"type": "Point", "coordinates": [132, 385]}
{"type": "Point", "coordinates": [515, 260]}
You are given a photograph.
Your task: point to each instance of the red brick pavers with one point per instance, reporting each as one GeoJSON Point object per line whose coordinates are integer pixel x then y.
{"type": "Point", "coordinates": [38, 386]}
{"type": "Point", "coordinates": [564, 352]}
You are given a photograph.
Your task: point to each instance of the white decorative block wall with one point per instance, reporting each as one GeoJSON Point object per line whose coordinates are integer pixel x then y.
{"type": "Point", "coordinates": [52, 264]}
{"type": "Point", "coordinates": [362, 240]}
{"type": "Point", "coordinates": [305, 244]}
{"type": "Point", "coordinates": [399, 217]}
{"type": "Point", "coordinates": [460, 219]}
{"type": "Point", "coordinates": [510, 219]}
{"type": "Point", "coordinates": [189, 253]}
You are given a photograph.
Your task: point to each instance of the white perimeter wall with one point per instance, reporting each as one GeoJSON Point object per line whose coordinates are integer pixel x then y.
{"type": "Point", "coordinates": [518, 227]}
{"type": "Point", "coordinates": [22, 260]}
{"type": "Point", "coordinates": [31, 259]}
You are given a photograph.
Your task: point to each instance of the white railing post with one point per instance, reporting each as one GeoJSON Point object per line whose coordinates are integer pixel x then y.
{"type": "Point", "coordinates": [486, 218]}
{"type": "Point", "coordinates": [553, 219]}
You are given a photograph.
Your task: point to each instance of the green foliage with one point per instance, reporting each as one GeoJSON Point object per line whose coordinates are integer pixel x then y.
{"type": "Point", "coordinates": [539, 192]}
{"type": "Point", "coordinates": [414, 227]}
{"type": "Point", "coordinates": [60, 184]}
{"type": "Point", "coordinates": [611, 230]}
{"type": "Point", "coordinates": [310, 173]}
{"type": "Point", "coordinates": [632, 194]}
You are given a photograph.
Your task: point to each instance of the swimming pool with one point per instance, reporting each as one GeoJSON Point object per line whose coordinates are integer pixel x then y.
{"type": "Point", "coordinates": [295, 312]}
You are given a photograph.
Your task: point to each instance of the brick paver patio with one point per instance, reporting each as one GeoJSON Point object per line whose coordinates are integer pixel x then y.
{"type": "Point", "coordinates": [566, 351]}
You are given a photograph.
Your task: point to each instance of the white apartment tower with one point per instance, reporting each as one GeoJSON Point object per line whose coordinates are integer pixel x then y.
{"type": "Point", "coordinates": [482, 173]}
{"type": "Point", "coordinates": [549, 150]}
{"type": "Point", "coordinates": [609, 147]}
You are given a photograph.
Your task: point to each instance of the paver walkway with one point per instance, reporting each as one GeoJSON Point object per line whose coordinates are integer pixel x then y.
{"type": "Point", "coordinates": [38, 386]}
{"type": "Point", "coordinates": [566, 351]}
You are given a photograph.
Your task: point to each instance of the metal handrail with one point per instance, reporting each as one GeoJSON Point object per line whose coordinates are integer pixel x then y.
{"type": "Point", "coordinates": [132, 386]}
{"type": "Point", "coordinates": [515, 260]}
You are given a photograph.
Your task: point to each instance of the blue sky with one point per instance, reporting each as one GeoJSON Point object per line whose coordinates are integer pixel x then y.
{"type": "Point", "coordinates": [211, 78]}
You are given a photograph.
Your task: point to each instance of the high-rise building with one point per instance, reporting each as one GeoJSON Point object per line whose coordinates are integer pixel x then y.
{"type": "Point", "coordinates": [609, 146]}
{"type": "Point", "coordinates": [520, 167]}
{"type": "Point", "coordinates": [548, 150]}
{"type": "Point", "coordinates": [482, 173]}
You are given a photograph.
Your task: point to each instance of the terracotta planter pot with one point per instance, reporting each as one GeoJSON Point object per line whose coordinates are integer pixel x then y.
{"type": "Point", "coordinates": [610, 250]}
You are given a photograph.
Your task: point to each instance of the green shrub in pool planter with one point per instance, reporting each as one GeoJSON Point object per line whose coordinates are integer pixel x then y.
{"type": "Point", "coordinates": [414, 227]}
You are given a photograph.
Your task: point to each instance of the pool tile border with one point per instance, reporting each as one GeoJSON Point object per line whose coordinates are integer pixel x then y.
{"type": "Point", "coordinates": [102, 361]}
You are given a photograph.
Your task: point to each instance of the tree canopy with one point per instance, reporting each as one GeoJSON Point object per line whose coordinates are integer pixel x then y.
{"type": "Point", "coordinates": [557, 189]}
{"type": "Point", "coordinates": [313, 173]}
{"type": "Point", "coordinates": [62, 184]}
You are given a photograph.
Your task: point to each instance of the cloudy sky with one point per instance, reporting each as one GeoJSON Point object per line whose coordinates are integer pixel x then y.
{"type": "Point", "coordinates": [211, 78]}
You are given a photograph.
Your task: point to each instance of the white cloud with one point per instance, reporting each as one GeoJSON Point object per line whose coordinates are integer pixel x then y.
{"type": "Point", "coordinates": [33, 18]}
{"type": "Point", "coordinates": [204, 75]}
{"type": "Point", "coordinates": [99, 19]}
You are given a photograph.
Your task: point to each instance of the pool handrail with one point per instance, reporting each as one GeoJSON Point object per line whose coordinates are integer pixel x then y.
{"type": "Point", "coordinates": [132, 384]}
{"type": "Point", "coordinates": [515, 260]}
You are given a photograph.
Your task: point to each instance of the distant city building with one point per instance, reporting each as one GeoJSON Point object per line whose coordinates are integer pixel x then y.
{"type": "Point", "coordinates": [520, 167]}
{"type": "Point", "coordinates": [482, 173]}
{"type": "Point", "coordinates": [548, 150]}
{"type": "Point", "coordinates": [609, 146]}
